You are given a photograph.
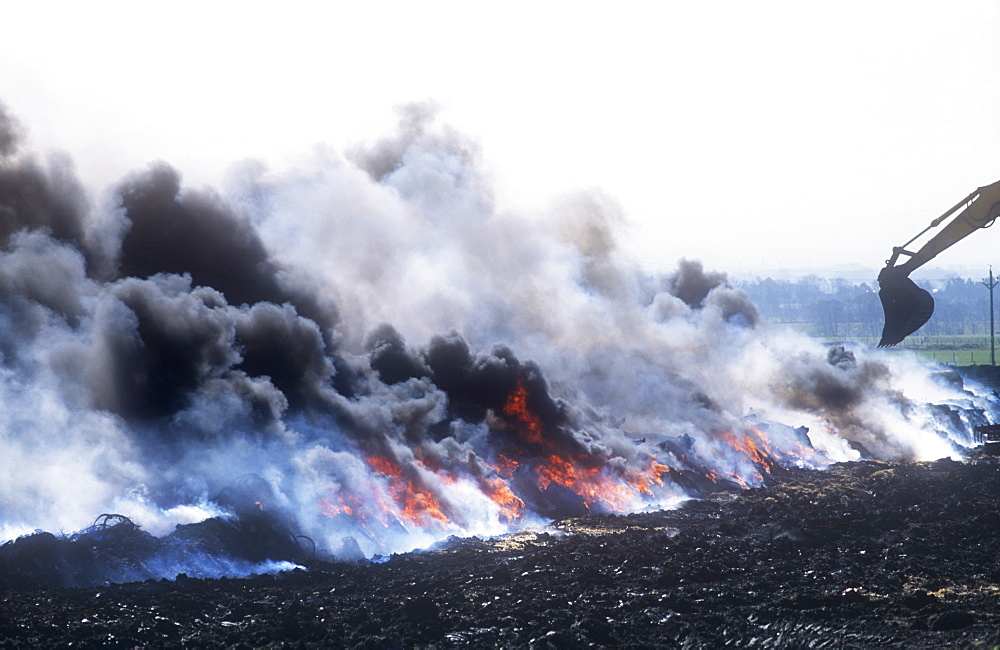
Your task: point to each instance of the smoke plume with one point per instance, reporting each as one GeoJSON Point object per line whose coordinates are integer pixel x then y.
{"type": "Point", "coordinates": [395, 358]}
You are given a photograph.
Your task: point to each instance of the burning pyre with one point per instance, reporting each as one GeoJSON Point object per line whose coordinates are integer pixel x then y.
{"type": "Point", "coordinates": [161, 341]}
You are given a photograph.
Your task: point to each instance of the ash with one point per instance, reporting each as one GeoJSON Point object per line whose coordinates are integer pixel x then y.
{"type": "Point", "coordinates": [865, 554]}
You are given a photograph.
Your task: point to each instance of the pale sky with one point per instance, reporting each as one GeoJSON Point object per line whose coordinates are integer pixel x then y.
{"type": "Point", "coordinates": [750, 135]}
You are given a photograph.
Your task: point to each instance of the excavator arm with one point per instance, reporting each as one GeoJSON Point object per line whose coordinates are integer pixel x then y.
{"type": "Point", "coordinates": [907, 307]}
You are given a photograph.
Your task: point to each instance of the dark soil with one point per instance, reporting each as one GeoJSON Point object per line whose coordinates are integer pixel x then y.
{"type": "Point", "coordinates": [865, 554]}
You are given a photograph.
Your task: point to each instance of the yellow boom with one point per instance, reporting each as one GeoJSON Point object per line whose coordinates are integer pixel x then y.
{"type": "Point", "coordinates": [907, 307]}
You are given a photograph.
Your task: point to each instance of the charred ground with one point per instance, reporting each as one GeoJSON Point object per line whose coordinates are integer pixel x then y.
{"type": "Point", "coordinates": [866, 554]}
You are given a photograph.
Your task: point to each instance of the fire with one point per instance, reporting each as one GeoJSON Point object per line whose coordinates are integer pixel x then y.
{"type": "Point", "coordinates": [641, 482]}
{"type": "Point", "coordinates": [511, 507]}
{"type": "Point", "coordinates": [517, 408]}
{"type": "Point", "coordinates": [415, 502]}
{"type": "Point", "coordinates": [590, 483]}
{"type": "Point", "coordinates": [371, 515]}
{"type": "Point", "coordinates": [754, 445]}
{"type": "Point", "coordinates": [331, 509]}
{"type": "Point", "coordinates": [411, 493]}
{"type": "Point", "coordinates": [586, 475]}
{"type": "Point", "coordinates": [504, 466]}
{"type": "Point", "coordinates": [408, 501]}
{"type": "Point", "coordinates": [405, 500]}
{"type": "Point", "coordinates": [498, 490]}
{"type": "Point", "coordinates": [761, 452]}
{"type": "Point", "coordinates": [744, 444]}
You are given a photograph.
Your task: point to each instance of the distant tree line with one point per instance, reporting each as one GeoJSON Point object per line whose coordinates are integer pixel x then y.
{"type": "Point", "coordinates": [841, 308]}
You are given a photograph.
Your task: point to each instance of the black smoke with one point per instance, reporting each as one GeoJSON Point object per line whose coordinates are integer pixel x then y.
{"type": "Point", "coordinates": [37, 197]}
{"type": "Point", "coordinates": [199, 234]}
{"type": "Point", "coordinates": [395, 358]}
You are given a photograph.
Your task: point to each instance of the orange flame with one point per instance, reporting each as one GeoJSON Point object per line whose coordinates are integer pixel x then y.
{"type": "Point", "coordinates": [498, 491]}
{"type": "Point", "coordinates": [511, 507]}
{"type": "Point", "coordinates": [416, 503]}
{"type": "Point", "coordinates": [755, 447]}
{"type": "Point", "coordinates": [404, 496]}
{"type": "Point", "coordinates": [641, 482]}
{"type": "Point", "coordinates": [587, 476]}
{"type": "Point", "coordinates": [504, 466]}
{"type": "Point", "coordinates": [368, 515]}
{"type": "Point", "coordinates": [517, 408]}
{"type": "Point", "coordinates": [592, 484]}
{"type": "Point", "coordinates": [758, 451]}
{"type": "Point", "coordinates": [750, 449]}
{"type": "Point", "coordinates": [331, 509]}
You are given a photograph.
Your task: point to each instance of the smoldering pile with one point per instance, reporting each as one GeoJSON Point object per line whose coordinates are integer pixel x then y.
{"type": "Point", "coordinates": [867, 554]}
{"type": "Point", "coordinates": [160, 341]}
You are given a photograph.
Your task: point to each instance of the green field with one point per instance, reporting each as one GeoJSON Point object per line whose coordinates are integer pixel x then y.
{"type": "Point", "coordinates": [963, 357]}
{"type": "Point", "coordinates": [958, 350]}
{"type": "Point", "coordinates": [954, 350]}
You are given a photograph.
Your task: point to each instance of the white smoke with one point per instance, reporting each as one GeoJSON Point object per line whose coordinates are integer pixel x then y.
{"type": "Point", "coordinates": [353, 332]}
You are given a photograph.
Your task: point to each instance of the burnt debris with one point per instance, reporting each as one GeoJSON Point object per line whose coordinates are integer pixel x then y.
{"type": "Point", "coordinates": [114, 549]}
{"type": "Point", "coordinates": [868, 554]}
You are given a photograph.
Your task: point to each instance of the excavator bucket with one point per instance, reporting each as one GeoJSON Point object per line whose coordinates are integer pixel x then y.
{"type": "Point", "coordinates": [907, 307]}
